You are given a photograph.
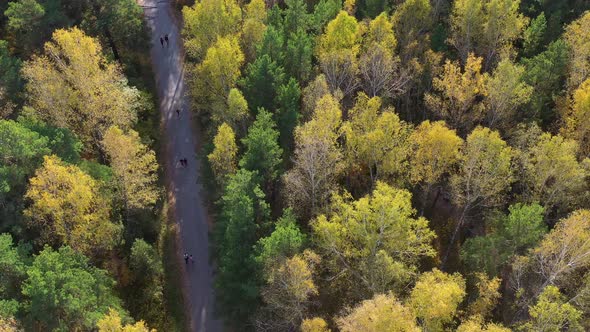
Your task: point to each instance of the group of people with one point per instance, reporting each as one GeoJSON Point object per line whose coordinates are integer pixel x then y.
{"type": "Point", "coordinates": [188, 258]}
{"type": "Point", "coordinates": [164, 39]}
{"type": "Point", "coordinates": [183, 162]}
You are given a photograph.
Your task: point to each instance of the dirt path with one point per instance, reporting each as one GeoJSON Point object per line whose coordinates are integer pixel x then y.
{"type": "Point", "coordinates": [181, 142]}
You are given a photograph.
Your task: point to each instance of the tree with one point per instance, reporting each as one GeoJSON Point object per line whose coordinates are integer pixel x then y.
{"type": "Point", "coordinates": [25, 17]}
{"type": "Point", "coordinates": [323, 12]}
{"type": "Point", "coordinates": [459, 94]}
{"type": "Point", "coordinates": [533, 35]}
{"type": "Point", "coordinates": [213, 79]}
{"type": "Point", "coordinates": [236, 111]}
{"type": "Point", "coordinates": [67, 207]}
{"type": "Point", "coordinates": [244, 212]}
{"type": "Point", "coordinates": [135, 166]}
{"type": "Point", "coordinates": [411, 21]}
{"type": "Point", "coordinates": [272, 43]}
{"type": "Point", "coordinates": [10, 77]}
{"type": "Point", "coordinates": [64, 292]}
{"type": "Point", "coordinates": [206, 21]}
{"type": "Point", "coordinates": [315, 324]}
{"type": "Point", "coordinates": [286, 240]}
{"type": "Point", "coordinates": [579, 53]}
{"type": "Point", "coordinates": [552, 313]}
{"type": "Point", "coordinates": [262, 79]}
{"type": "Point", "coordinates": [263, 153]}
{"type": "Point", "coordinates": [337, 51]}
{"type": "Point", "coordinates": [476, 324]}
{"type": "Point", "coordinates": [288, 105]}
{"type": "Point", "coordinates": [317, 160]}
{"type": "Point", "coordinates": [488, 29]}
{"type": "Point", "coordinates": [488, 296]}
{"type": "Point", "coordinates": [312, 93]}
{"type": "Point", "coordinates": [506, 93]}
{"type": "Point", "coordinates": [381, 313]}
{"type": "Point", "coordinates": [223, 158]}
{"type": "Point", "coordinates": [111, 322]}
{"type": "Point", "coordinates": [289, 287]}
{"type": "Point", "coordinates": [253, 27]}
{"type": "Point", "coordinates": [553, 174]}
{"type": "Point", "coordinates": [435, 151]}
{"type": "Point", "coordinates": [296, 15]}
{"type": "Point", "coordinates": [372, 245]}
{"type": "Point", "coordinates": [436, 298]}
{"type": "Point", "coordinates": [13, 270]}
{"type": "Point", "coordinates": [74, 86]}
{"type": "Point", "coordinates": [577, 121]}
{"type": "Point", "coordinates": [298, 55]}
{"type": "Point", "coordinates": [377, 143]}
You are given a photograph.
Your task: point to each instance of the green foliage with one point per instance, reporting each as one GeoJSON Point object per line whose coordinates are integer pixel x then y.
{"type": "Point", "coordinates": [552, 313]}
{"type": "Point", "coordinates": [13, 269]}
{"type": "Point", "coordinates": [64, 292]}
{"type": "Point", "coordinates": [10, 78]}
{"type": "Point", "coordinates": [298, 55]}
{"type": "Point", "coordinates": [272, 44]}
{"type": "Point", "coordinates": [534, 35]}
{"type": "Point", "coordinates": [323, 12]}
{"type": "Point", "coordinates": [288, 104]}
{"type": "Point", "coordinates": [263, 153]}
{"type": "Point", "coordinates": [261, 81]}
{"type": "Point", "coordinates": [244, 213]}
{"type": "Point", "coordinates": [285, 241]}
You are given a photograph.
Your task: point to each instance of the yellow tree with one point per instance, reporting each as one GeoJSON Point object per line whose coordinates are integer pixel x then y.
{"type": "Point", "coordinates": [337, 51]}
{"type": "Point", "coordinates": [207, 20]}
{"type": "Point", "coordinates": [67, 207]}
{"type": "Point", "coordinates": [372, 245]}
{"type": "Point", "coordinates": [381, 313]}
{"type": "Point", "coordinates": [111, 322]}
{"type": "Point", "coordinates": [236, 112]}
{"type": "Point", "coordinates": [376, 143]}
{"type": "Point", "coordinates": [253, 27]}
{"type": "Point", "coordinates": [213, 79]}
{"type": "Point", "coordinates": [578, 40]}
{"type": "Point", "coordinates": [74, 86]}
{"type": "Point", "coordinates": [436, 298]}
{"type": "Point", "coordinates": [312, 94]}
{"type": "Point", "coordinates": [435, 151]}
{"type": "Point", "coordinates": [459, 94]}
{"type": "Point", "coordinates": [135, 167]}
{"type": "Point", "coordinates": [223, 158]}
{"type": "Point", "coordinates": [553, 174]}
{"type": "Point", "coordinates": [577, 121]}
{"type": "Point", "coordinates": [476, 324]}
{"type": "Point", "coordinates": [317, 159]}
{"type": "Point", "coordinates": [288, 290]}
{"type": "Point", "coordinates": [315, 324]}
{"type": "Point", "coordinates": [412, 20]}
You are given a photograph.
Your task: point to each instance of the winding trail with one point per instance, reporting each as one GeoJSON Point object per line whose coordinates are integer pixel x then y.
{"type": "Point", "coordinates": [180, 139]}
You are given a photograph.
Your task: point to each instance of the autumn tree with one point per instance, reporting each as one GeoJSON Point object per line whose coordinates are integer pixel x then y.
{"type": "Point", "coordinates": [64, 292]}
{"type": "Point", "coordinates": [289, 287]}
{"type": "Point", "coordinates": [578, 41]}
{"type": "Point", "coordinates": [376, 141]}
{"type": "Point", "coordinates": [577, 120]}
{"type": "Point", "coordinates": [74, 86]}
{"type": "Point", "coordinates": [223, 157]}
{"type": "Point", "coordinates": [476, 324]}
{"type": "Point", "coordinates": [315, 324]}
{"type": "Point", "coordinates": [213, 79]}
{"type": "Point", "coordinates": [436, 298]}
{"type": "Point", "coordinates": [372, 245]}
{"type": "Point", "coordinates": [435, 151]}
{"type": "Point", "coordinates": [381, 313]}
{"type": "Point", "coordinates": [487, 28]}
{"type": "Point", "coordinates": [553, 174]}
{"type": "Point", "coordinates": [67, 207]}
{"type": "Point", "coordinates": [337, 52]}
{"type": "Point", "coordinates": [253, 26]}
{"type": "Point", "coordinates": [111, 322]}
{"type": "Point", "coordinates": [317, 159]}
{"type": "Point", "coordinates": [553, 313]}
{"type": "Point", "coordinates": [412, 20]}
{"type": "Point", "coordinates": [459, 95]}
{"type": "Point", "coordinates": [135, 166]}
{"type": "Point", "coordinates": [312, 93]}
{"type": "Point", "coordinates": [236, 111]}
{"type": "Point", "coordinates": [208, 20]}
{"type": "Point", "coordinates": [506, 92]}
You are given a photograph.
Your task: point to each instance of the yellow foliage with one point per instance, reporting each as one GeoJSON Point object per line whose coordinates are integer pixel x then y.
{"type": "Point", "coordinates": [476, 324]}
{"type": "Point", "coordinates": [315, 324]}
{"type": "Point", "coordinates": [343, 32]}
{"type": "Point", "coordinates": [253, 27]}
{"type": "Point", "coordinates": [68, 207]}
{"type": "Point", "coordinates": [223, 157]}
{"type": "Point", "coordinates": [134, 165]}
{"type": "Point", "coordinates": [381, 313]}
{"type": "Point", "coordinates": [577, 38]}
{"type": "Point", "coordinates": [111, 322]}
{"type": "Point", "coordinates": [577, 121]}
{"type": "Point", "coordinates": [74, 86]}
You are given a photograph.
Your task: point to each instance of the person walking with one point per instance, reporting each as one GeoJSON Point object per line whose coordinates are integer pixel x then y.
{"type": "Point", "coordinates": [185, 258]}
{"type": "Point", "coordinates": [162, 42]}
{"type": "Point", "coordinates": [191, 259]}
{"type": "Point", "coordinates": [177, 113]}
{"type": "Point", "coordinates": [166, 39]}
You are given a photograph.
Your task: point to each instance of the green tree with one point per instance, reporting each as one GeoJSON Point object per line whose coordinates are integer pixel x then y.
{"type": "Point", "coordinates": [436, 298]}
{"type": "Point", "coordinates": [25, 20]}
{"type": "Point", "coordinates": [287, 115]}
{"type": "Point", "coordinates": [10, 78]}
{"type": "Point", "coordinates": [262, 79]}
{"type": "Point", "coordinates": [74, 86]}
{"type": "Point", "coordinates": [244, 212]}
{"type": "Point", "coordinates": [64, 292]}
{"type": "Point", "coordinates": [534, 35]}
{"type": "Point", "coordinates": [135, 167]}
{"type": "Point", "coordinates": [272, 44]}
{"type": "Point", "coordinates": [323, 12]}
{"type": "Point", "coordinates": [263, 153]}
{"type": "Point", "coordinates": [298, 55]}
{"type": "Point", "coordinates": [13, 269]}
{"type": "Point", "coordinates": [372, 245]}
{"type": "Point", "coordinates": [67, 207]}
{"type": "Point", "coordinates": [381, 313]}
{"type": "Point", "coordinates": [286, 240]}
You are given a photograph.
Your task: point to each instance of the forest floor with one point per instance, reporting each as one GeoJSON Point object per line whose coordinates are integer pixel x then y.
{"type": "Point", "coordinates": [180, 140]}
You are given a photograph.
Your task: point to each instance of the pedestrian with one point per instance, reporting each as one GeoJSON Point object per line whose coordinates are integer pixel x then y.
{"type": "Point", "coordinates": [185, 258]}
{"type": "Point", "coordinates": [177, 113]}
{"type": "Point", "coordinates": [191, 259]}
{"type": "Point", "coordinates": [162, 42]}
{"type": "Point", "coordinates": [166, 39]}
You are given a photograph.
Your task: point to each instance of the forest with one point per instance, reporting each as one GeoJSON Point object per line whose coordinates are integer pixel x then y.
{"type": "Point", "coordinates": [369, 165]}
